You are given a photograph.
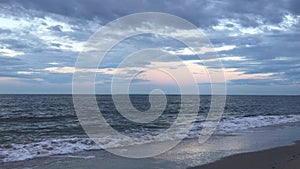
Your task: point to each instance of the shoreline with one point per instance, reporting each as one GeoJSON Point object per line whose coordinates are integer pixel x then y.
{"type": "Point", "coordinates": [287, 157]}
{"type": "Point", "coordinates": [185, 155]}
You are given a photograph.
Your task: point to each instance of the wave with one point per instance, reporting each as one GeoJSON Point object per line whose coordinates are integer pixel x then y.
{"type": "Point", "coordinates": [18, 152]}
{"type": "Point", "coordinates": [243, 123]}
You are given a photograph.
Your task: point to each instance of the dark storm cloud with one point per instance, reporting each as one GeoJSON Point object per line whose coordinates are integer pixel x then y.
{"type": "Point", "coordinates": [202, 13]}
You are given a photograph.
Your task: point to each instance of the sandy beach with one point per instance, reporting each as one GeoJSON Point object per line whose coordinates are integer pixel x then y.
{"type": "Point", "coordinates": [287, 157]}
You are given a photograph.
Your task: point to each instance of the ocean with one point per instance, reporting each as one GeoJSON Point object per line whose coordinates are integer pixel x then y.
{"type": "Point", "coordinates": [35, 126]}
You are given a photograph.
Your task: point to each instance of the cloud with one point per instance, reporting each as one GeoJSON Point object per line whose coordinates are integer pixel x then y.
{"type": "Point", "coordinates": [33, 30]}
{"type": "Point", "coordinates": [26, 73]}
{"type": "Point", "coordinates": [9, 52]}
{"type": "Point", "coordinates": [202, 13]}
{"type": "Point", "coordinates": [8, 80]}
{"type": "Point", "coordinates": [203, 50]}
{"type": "Point", "coordinates": [257, 41]}
{"type": "Point", "coordinates": [235, 27]}
{"type": "Point", "coordinates": [57, 28]}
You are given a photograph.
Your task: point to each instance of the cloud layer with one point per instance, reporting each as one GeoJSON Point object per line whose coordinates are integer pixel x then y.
{"type": "Point", "coordinates": [258, 42]}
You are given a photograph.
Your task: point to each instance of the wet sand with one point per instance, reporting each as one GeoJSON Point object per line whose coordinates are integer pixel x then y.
{"type": "Point", "coordinates": [287, 157]}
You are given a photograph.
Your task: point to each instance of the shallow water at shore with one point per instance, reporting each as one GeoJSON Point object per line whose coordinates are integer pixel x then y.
{"type": "Point", "coordinates": [188, 153]}
{"type": "Point", "coordinates": [34, 126]}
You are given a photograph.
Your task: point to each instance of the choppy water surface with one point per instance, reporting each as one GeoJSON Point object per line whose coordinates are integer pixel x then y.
{"type": "Point", "coordinates": [42, 125]}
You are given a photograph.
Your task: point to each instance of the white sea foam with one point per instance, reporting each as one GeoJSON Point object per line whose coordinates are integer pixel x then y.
{"type": "Point", "coordinates": [243, 123]}
{"type": "Point", "coordinates": [18, 152]}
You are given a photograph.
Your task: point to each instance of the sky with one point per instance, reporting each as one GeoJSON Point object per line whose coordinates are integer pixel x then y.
{"type": "Point", "coordinates": [257, 41]}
